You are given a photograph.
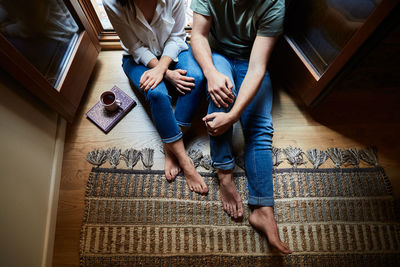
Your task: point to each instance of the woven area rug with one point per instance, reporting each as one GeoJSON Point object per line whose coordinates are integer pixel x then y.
{"type": "Point", "coordinates": [328, 217]}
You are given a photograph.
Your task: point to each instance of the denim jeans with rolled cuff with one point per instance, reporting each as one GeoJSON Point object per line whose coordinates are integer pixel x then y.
{"type": "Point", "coordinates": [165, 119]}
{"type": "Point", "coordinates": [256, 121]}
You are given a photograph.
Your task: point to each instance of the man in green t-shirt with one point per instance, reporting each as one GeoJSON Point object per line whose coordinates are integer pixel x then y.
{"type": "Point", "coordinates": [232, 41]}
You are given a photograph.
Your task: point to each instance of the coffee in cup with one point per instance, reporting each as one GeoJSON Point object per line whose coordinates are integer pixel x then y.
{"type": "Point", "coordinates": [109, 101]}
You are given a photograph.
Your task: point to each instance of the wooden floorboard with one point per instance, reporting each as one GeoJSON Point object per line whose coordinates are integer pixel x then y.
{"type": "Point", "coordinates": [293, 126]}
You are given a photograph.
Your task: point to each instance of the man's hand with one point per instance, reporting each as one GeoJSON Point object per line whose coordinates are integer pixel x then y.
{"type": "Point", "coordinates": [220, 89]}
{"type": "Point", "coordinates": [218, 122]}
{"type": "Point", "coordinates": [179, 80]}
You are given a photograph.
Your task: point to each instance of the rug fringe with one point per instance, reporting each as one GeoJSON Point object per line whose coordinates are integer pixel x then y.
{"type": "Point", "coordinates": [293, 155]}
{"type": "Point", "coordinates": [196, 155]}
{"type": "Point", "coordinates": [276, 156]}
{"type": "Point", "coordinates": [131, 157]}
{"type": "Point", "coordinates": [97, 157]}
{"type": "Point", "coordinates": [206, 162]}
{"type": "Point", "coordinates": [336, 155]}
{"type": "Point", "coordinates": [316, 157]}
{"type": "Point", "coordinates": [114, 155]}
{"type": "Point", "coordinates": [147, 156]}
{"type": "Point", "coordinates": [351, 156]}
{"type": "Point", "coordinates": [370, 155]}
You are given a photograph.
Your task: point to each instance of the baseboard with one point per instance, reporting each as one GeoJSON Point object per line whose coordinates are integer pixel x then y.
{"type": "Point", "coordinates": [54, 193]}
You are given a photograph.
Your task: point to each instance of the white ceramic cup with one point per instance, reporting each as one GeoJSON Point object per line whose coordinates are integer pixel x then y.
{"type": "Point", "coordinates": [109, 101]}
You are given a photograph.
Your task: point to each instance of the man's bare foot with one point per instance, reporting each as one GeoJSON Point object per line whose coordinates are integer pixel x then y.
{"type": "Point", "coordinates": [231, 200]}
{"type": "Point", "coordinates": [193, 179]}
{"type": "Point", "coordinates": [171, 165]}
{"type": "Point", "coordinates": [263, 219]}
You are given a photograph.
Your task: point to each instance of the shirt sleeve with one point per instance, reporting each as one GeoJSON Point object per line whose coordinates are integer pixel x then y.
{"type": "Point", "coordinates": [201, 7]}
{"type": "Point", "coordinates": [176, 41]}
{"type": "Point", "coordinates": [129, 40]}
{"type": "Point", "coordinates": [271, 22]}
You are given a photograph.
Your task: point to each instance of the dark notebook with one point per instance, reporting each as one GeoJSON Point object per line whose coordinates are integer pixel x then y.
{"type": "Point", "coordinates": [105, 119]}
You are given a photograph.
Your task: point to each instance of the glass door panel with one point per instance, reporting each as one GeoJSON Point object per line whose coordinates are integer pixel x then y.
{"type": "Point", "coordinates": [320, 29]}
{"type": "Point", "coordinates": [44, 31]}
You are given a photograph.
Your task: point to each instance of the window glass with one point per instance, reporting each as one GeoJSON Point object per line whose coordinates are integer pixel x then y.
{"type": "Point", "coordinates": [44, 31]}
{"type": "Point", "coordinates": [320, 29]}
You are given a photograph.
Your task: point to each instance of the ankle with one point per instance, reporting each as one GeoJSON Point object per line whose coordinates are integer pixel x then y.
{"type": "Point", "coordinates": [225, 176]}
{"type": "Point", "coordinates": [267, 212]}
{"type": "Point", "coordinates": [185, 162]}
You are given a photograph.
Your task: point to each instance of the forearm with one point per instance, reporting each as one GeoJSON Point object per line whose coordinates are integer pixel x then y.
{"type": "Point", "coordinates": [247, 92]}
{"type": "Point", "coordinates": [200, 45]}
{"type": "Point", "coordinates": [202, 53]}
{"type": "Point", "coordinates": [152, 77]}
{"type": "Point", "coordinates": [258, 62]}
{"type": "Point", "coordinates": [162, 64]}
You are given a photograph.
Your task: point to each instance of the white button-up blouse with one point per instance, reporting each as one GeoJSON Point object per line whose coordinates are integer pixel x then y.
{"type": "Point", "coordinates": [164, 36]}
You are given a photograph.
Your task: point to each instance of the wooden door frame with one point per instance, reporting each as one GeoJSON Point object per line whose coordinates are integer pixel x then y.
{"type": "Point", "coordinates": [64, 98]}
{"type": "Point", "coordinates": [109, 40]}
{"type": "Point", "coordinates": [302, 79]}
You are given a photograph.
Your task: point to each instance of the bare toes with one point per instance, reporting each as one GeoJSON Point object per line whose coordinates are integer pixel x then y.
{"type": "Point", "coordinates": [235, 213]}
{"type": "Point", "coordinates": [230, 209]}
{"type": "Point", "coordinates": [282, 247]}
{"type": "Point", "coordinates": [176, 171]}
{"type": "Point", "coordinates": [205, 189]}
{"type": "Point", "coordinates": [240, 210]}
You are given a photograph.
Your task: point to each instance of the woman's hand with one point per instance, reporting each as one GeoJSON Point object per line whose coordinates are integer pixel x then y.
{"type": "Point", "coordinates": [151, 78]}
{"type": "Point", "coordinates": [179, 80]}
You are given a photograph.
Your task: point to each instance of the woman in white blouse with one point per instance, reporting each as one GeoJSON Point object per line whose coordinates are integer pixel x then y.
{"type": "Point", "coordinates": [153, 37]}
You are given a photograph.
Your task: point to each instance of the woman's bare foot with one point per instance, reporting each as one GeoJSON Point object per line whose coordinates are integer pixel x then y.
{"type": "Point", "coordinates": [263, 219]}
{"type": "Point", "coordinates": [193, 179]}
{"type": "Point", "coordinates": [171, 165]}
{"type": "Point", "coordinates": [231, 200]}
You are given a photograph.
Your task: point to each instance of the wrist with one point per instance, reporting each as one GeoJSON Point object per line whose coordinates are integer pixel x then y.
{"type": "Point", "coordinates": [233, 116]}
{"type": "Point", "coordinates": [162, 68]}
{"type": "Point", "coordinates": [167, 73]}
{"type": "Point", "coordinates": [209, 71]}
{"type": "Point", "coordinates": [163, 63]}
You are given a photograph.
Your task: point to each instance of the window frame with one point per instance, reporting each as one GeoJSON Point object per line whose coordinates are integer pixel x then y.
{"type": "Point", "coordinates": [66, 96]}
{"type": "Point", "coordinates": [109, 40]}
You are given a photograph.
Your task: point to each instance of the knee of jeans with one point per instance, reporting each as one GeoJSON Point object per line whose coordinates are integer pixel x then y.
{"type": "Point", "coordinates": [157, 96]}
{"type": "Point", "coordinates": [197, 74]}
{"type": "Point", "coordinates": [259, 136]}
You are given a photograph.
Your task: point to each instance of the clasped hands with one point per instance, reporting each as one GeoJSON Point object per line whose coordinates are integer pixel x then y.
{"type": "Point", "coordinates": [220, 90]}
{"type": "Point", "coordinates": [152, 77]}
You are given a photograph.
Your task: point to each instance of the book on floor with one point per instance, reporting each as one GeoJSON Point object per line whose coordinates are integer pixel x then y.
{"type": "Point", "coordinates": [105, 119]}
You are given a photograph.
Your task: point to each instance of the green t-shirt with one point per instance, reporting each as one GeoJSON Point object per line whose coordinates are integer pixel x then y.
{"type": "Point", "coordinates": [236, 23]}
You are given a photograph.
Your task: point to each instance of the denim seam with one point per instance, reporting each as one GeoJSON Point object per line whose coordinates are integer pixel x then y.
{"type": "Point", "coordinates": [261, 201]}
{"type": "Point", "coordinates": [225, 164]}
{"type": "Point", "coordinates": [255, 169]}
{"type": "Point", "coordinates": [172, 139]}
{"type": "Point", "coordinates": [186, 124]}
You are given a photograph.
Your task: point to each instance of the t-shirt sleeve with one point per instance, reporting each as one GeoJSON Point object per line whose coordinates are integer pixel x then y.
{"type": "Point", "coordinates": [271, 22]}
{"type": "Point", "coordinates": [201, 7]}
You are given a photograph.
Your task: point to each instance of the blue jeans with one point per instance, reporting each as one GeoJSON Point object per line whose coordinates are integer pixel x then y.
{"type": "Point", "coordinates": [166, 122]}
{"type": "Point", "coordinates": [256, 121]}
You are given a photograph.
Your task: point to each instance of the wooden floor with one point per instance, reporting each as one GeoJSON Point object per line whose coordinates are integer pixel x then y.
{"type": "Point", "coordinates": [293, 126]}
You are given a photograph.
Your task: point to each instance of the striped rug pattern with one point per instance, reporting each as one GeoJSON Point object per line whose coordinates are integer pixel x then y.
{"type": "Point", "coordinates": [329, 217]}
